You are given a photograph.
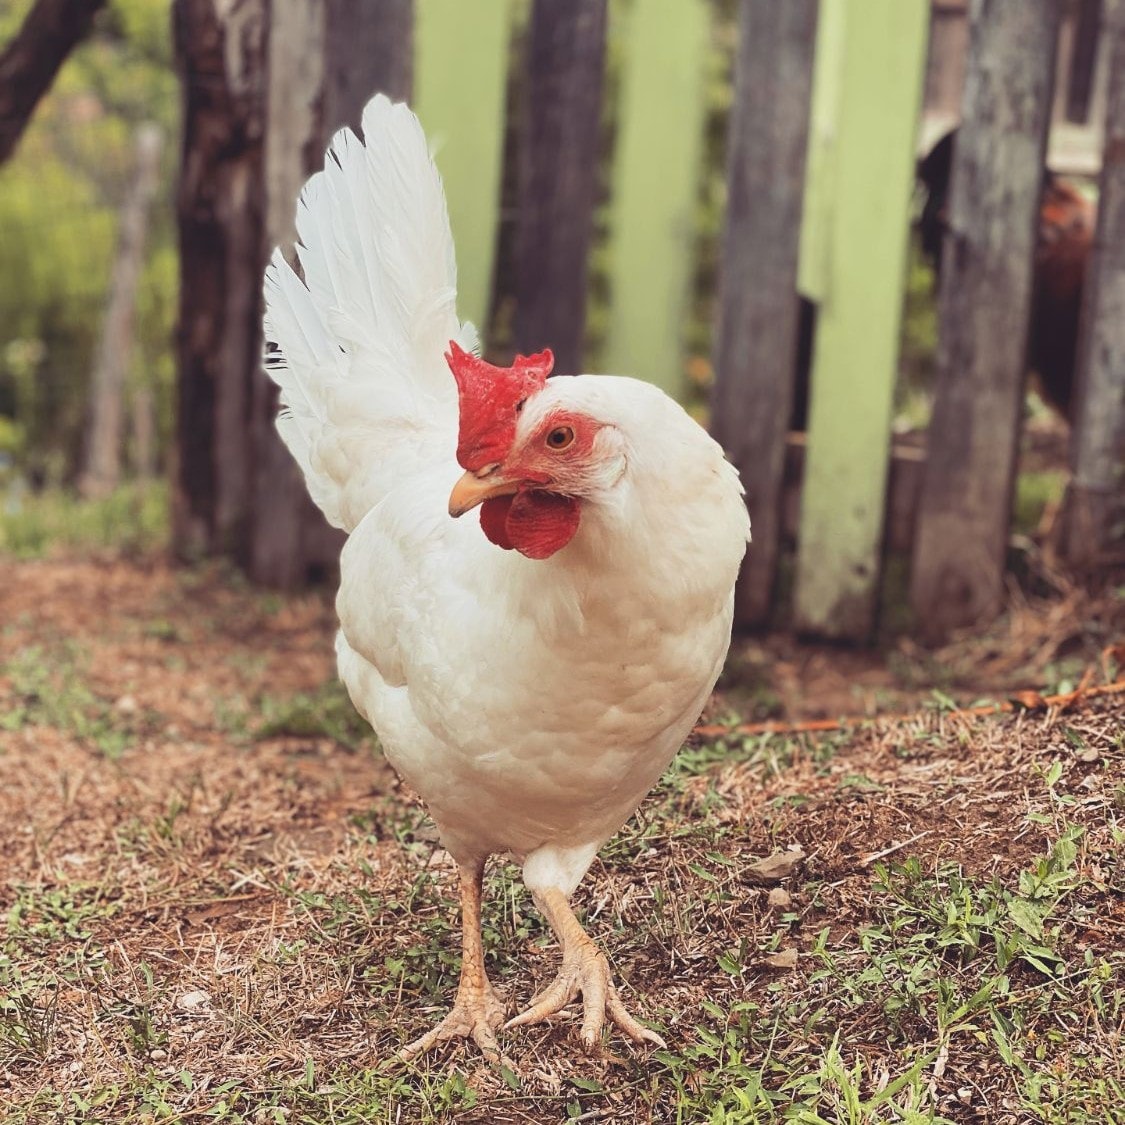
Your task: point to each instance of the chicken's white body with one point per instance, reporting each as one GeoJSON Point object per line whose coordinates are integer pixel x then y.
{"type": "Point", "coordinates": [531, 703]}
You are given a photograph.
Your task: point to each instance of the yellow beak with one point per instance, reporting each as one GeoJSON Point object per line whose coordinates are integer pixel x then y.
{"type": "Point", "coordinates": [473, 489]}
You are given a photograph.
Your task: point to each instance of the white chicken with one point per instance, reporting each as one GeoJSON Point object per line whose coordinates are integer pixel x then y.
{"type": "Point", "coordinates": [532, 674]}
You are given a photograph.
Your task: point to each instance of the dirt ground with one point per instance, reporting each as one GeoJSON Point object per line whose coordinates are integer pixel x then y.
{"type": "Point", "coordinates": [218, 899]}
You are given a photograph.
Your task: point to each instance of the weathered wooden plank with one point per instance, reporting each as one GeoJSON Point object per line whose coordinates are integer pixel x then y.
{"type": "Point", "coordinates": [460, 47]}
{"type": "Point", "coordinates": [756, 341]}
{"type": "Point", "coordinates": [855, 355]}
{"type": "Point", "coordinates": [655, 184]}
{"type": "Point", "coordinates": [1094, 516]}
{"type": "Point", "coordinates": [559, 151]}
{"type": "Point", "coordinates": [326, 58]}
{"type": "Point", "coordinates": [984, 301]}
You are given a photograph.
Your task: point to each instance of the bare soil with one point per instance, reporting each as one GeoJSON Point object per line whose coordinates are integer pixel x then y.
{"type": "Point", "coordinates": [242, 898]}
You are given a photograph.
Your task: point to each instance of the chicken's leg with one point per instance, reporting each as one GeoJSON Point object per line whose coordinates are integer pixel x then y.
{"type": "Point", "coordinates": [584, 970]}
{"type": "Point", "coordinates": [477, 1010]}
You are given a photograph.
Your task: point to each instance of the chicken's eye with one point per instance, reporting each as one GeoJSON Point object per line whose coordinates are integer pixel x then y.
{"type": "Point", "coordinates": [560, 437]}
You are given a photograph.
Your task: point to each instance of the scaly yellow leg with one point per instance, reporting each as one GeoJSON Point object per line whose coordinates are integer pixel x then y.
{"type": "Point", "coordinates": [477, 1009]}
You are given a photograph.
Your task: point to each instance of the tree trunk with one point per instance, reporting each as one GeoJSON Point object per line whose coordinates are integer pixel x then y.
{"type": "Point", "coordinates": [756, 341]}
{"type": "Point", "coordinates": [559, 162]}
{"type": "Point", "coordinates": [51, 30]}
{"type": "Point", "coordinates": [983, 304]}
{"type": "Point", "coordinates": [1094, 517]}
{"type": "Point", "coordinates": [326, 59]}
{"type": "Point", "coordinates": [369, 48]}
{"type": "Point", "coordinates": [221, 50]}
{"type": "Point", "coordinates": [102, 467]}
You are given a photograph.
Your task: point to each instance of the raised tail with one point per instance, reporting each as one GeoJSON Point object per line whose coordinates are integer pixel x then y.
{"type": "Point", "coordinates": [357, 347]}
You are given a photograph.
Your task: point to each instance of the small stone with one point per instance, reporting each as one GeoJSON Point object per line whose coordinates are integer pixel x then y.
{"type": "Point", "coordinates": [784, 959]}
{"type": "Point", "coordinates": [779, 898]}
{"type": "Point", "coordinates": [776, 867]}
{"type": "Point", "coordinates": [192, 1000]}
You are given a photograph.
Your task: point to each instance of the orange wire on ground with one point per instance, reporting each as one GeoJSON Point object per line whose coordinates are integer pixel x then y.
{"type": "Point", "coordinates": [1030, 700]}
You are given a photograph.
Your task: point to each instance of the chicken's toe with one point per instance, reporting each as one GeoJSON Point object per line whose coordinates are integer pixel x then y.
{"type": "Point", "coordinates": [586, 971]}
{"type": "Point", "coordinates": [475, 1016]}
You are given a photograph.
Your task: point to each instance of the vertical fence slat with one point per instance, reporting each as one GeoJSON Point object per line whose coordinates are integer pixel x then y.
{"type": "Point", "coordinates": [756, 340]}
{"type": "Point", "coordinates": [983, 303]}
{"type": "Point", "coordinates": [461, 67]}
{"type": "Point", "coordinates": [559, 150]}
{"type": "Point", "coordinates": [325, 60]}
{"type": "Point", "coordinates": [856, 350]}
{"type": "Point", "coordinates": [1095, 506]}
{"type": "Point", "coordinates": [655, 182]}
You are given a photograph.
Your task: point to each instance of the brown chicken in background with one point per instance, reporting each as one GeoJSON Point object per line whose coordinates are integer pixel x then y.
{"type": "Point", "coordinates": [1066, 239]}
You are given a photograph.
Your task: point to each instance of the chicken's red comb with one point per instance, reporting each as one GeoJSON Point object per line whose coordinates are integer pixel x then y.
{"type": "Point", "coordinates": [489, 399]}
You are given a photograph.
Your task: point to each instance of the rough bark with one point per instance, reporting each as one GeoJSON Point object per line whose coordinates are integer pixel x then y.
{"type": "Point", "coordinates": [984, 301]}
{"type": "Point", "coordinates": [221, 53]}
{"type": "Point", "coordinates": [559, 162]}
{"type": "Point", "coordinates": [102, 468]}
{"type": "Point", "coordinates": [51, 30]}
{"type": "Point", "coordinates": [1094, 516]}
{"type": "Point", "coordinates": [756, 342]}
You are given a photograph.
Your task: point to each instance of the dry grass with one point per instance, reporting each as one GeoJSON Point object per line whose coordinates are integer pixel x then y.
{"type": "Point", "coordinates": [219, 904]}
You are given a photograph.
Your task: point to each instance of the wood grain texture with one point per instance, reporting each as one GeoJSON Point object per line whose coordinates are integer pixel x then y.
{"type": "Point", "coordinates": [559, 161]}
{"type": "Point", "coordinates": [756, 341]}
{"type": "Point", "coordinates": [1094, 517]}
{"type": "Point", "coordinates": [984, 301]}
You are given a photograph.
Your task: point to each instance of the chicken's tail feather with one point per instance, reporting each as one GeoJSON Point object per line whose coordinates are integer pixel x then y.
{"type": "Point", "coordinates": [357, 347]}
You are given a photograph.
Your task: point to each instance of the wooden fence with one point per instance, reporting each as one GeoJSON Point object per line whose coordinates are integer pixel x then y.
{"type": "Point", "coordinates": [821, 145]}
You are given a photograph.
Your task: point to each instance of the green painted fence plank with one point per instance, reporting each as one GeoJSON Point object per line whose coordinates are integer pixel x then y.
{"type": "Point", "coordinates": [655, 179]}
{"type": "Point", "coordinates": [461, 69]}
{"type": "Point", "coordinates": [816, 218]}
{"type": "Point", "coordinates": [856, 352]}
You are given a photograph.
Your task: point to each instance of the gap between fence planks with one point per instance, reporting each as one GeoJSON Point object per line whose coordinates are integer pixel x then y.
{"type": "Point", "coordinates": [1095, 503]}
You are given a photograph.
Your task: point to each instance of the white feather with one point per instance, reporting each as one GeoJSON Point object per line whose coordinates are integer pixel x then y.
{"type": "Point", "coordinates": [357, 347]}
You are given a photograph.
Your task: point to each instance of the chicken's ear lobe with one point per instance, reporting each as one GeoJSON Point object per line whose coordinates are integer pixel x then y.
{"type": "Point", "coordinates": [489, 399]}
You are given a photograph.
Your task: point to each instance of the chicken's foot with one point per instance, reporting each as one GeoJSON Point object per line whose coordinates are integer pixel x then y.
{"type": "Point", "coordinates": [584, 970]}
{"type": "Point", "coordinates": [477, 1009]}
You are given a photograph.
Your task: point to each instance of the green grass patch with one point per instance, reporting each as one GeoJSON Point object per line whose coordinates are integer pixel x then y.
{"type": "Point", "coordinates": [49, 688]}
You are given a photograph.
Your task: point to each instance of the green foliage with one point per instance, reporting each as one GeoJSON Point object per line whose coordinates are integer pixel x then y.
{"type": "Point", "coordinates": [59, 199]}
{"type": "Point", "coordinates": [132, 519]}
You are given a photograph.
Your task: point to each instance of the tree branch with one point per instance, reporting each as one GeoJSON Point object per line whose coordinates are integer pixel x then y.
{"type": "Point", "coordinates": [30, 62]}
